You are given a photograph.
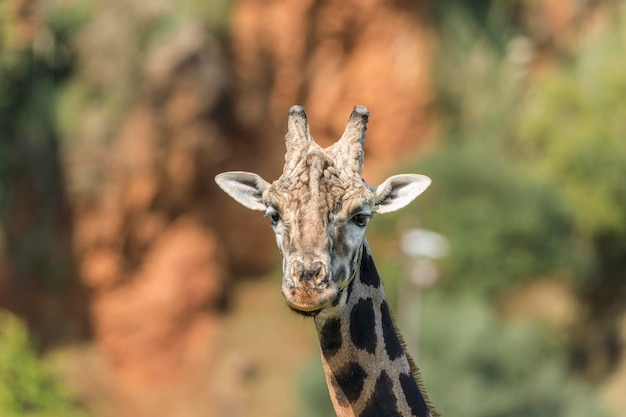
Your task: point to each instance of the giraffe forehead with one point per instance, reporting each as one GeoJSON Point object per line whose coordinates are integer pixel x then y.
{"type": "Point", "coordinates": [317, 183]}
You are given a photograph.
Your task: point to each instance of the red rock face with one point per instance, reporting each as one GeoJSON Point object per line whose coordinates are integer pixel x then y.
{"type": "Point", "coordinates": [157, 330]}
{"type": "Point", "coordinates": [155, 314]}
{"type": "Point", "coordinates": [147, 230]}
{"type": "Point", "coordinates": [147, 247]}
{"type": "Point", "coordinates": [154, 267]}
{"type": "Point", "coordinates": [330, 55]}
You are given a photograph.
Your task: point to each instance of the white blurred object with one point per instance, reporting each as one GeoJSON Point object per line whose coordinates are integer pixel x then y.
{"type": "Point", "coordinates": [422, 243]}
{"type": "Point", "coordinates": [424, 248]}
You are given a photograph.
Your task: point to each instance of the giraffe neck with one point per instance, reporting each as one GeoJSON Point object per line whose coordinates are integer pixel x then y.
{"type": "Point", "coordinates": [367, 369]}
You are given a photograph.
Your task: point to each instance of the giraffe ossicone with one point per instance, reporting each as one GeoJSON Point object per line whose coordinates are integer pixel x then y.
{"type": "Point", "coordinates": [319, 210]}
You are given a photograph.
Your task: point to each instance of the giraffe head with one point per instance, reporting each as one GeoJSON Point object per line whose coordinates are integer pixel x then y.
{"type": "Point", "coordinates": [319, 209]}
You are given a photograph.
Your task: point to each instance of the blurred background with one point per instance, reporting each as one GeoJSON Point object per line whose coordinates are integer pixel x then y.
{"type": "Point", "coordinates": [131, 286]}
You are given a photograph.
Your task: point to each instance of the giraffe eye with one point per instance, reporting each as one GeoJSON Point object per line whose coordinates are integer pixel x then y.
{"type": "Point", "coordinates": [274, 215]}
{"type": "Point", "coordinates": [361, 219]}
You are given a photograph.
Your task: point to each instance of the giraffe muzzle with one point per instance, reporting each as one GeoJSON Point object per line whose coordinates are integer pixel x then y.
{"type": "Point", "coordinates": [309, 288]}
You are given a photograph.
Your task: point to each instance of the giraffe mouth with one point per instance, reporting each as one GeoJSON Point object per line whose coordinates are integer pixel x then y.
{"type": "Point", "coordinates": [306, 313]}
{"type": "Point", "coordinates": [306, 309]}
{"type": "Point", "coordinates": [309, 300]}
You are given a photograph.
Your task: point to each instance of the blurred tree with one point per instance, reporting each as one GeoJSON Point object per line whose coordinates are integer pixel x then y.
{"type": "Point", "coordinates": [27, 387]}
{"type": "Point", "coordinates": [504, 225]}
{"type": "Point", "coordinates": [34, 212]}
{"type": "Point", "coordinates": [572, 127]}
{"type": "Point", "coordinates": [475, 365]}
{"type": "Point", "coordinates": [479, 74]}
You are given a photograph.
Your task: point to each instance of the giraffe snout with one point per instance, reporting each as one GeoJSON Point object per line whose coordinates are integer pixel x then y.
{"type": "Point", "coordinates": [307, 288]}
{"type": "Point", "coordinates": [309, 272]}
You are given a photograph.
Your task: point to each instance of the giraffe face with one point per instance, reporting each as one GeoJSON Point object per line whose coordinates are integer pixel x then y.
{"type": "Point", "coordinates": [319, 214]}
{"type": "Point", "coordinates": [319, 210]}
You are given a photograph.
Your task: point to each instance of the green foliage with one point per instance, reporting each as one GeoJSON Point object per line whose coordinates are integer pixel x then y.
{"type": "Point", "coordinates": [572, 128]}
{"type": "Point", "coordinates": [503, 224]}
{"type": "Point", "coordinates": [30, 76]}
{"type": "Point", "coordinates": [27, 387]}
{"type": "Point", "coordinates": [31, 72]}
{"type": "Point", "coordinates": [475, 365]}
{"type": "Point", "coordinates": [477, 75]}
{"type": "Point", "coordinates": [216, 13]}
{"type": "Point", "coordinates": [573, 125]}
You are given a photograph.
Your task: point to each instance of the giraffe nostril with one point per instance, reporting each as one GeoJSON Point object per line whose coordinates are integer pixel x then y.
{"type": "Point", "coordinates": [316, 268]}
{"type": "Point", "coordinates": [299, 269]}
{"type": "Point", "coordinates": [311, 272]}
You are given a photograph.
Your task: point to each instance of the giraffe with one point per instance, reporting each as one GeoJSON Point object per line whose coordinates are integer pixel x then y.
{"type": "Point", "coordinates": [319, 209]}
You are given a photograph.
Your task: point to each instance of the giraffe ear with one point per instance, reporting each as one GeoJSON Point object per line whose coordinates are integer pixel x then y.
{"type": "Point", "coordinates": [245, 187]}
{"type": "Point", "coordinates": [398, 191]}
